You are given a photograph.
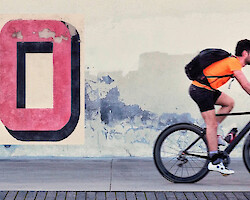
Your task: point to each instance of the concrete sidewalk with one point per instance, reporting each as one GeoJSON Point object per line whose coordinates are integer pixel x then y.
{"type": "Point", "coordinates": [110, 174]}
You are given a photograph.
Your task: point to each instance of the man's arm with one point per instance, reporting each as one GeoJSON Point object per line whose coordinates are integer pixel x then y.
{"type": "Point", "coordinates": [241, 78]}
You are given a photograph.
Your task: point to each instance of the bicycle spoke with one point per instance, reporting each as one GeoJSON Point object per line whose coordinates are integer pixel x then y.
{"type": "Point", "coordinates": [178, 142]}
{"type": "Point", "coordinates": [174, 145]}
{"type": "Point", "coordinates": [194, 161]}
{"type": "Point", "coordinates": [171, 142]}
{"type": "Point", "coordinates": [172, 148]}
{"type": "Point", "coordinates": [174, 165]}
{"type": "Point", "coordinates": [182, 171]}
{"type": "Point", "coordinates": [170, 160]}
{"type": "Point", "coordinates": [191, 166]}
{"type": "Point", "coordinates": [176, 170]}
{"type": "Point", "coordinates": [186, 169]}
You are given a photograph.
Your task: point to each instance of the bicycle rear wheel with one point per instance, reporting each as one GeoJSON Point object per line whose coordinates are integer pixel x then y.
{"type": "Point", "coordinates": [173, 162]}
{"type": "Point", "coordinates": [246, 153]}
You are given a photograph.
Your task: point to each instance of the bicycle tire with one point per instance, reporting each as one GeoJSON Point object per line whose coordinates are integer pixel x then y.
{"type": "Point", "coordinates": [246, 153]}
{"type": "Point", "coordinates": [160, 161]}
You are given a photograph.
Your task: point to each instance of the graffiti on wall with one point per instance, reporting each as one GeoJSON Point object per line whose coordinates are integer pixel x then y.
{"type": "Point", "coordinates": [20, 40]}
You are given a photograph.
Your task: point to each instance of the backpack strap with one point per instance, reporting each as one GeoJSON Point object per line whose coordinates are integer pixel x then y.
{"type": "Point", "coordinates": [229, 75]}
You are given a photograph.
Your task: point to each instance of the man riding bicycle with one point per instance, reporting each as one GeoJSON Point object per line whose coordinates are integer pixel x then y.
{"type": "Point", "coordinates": [207, 96]}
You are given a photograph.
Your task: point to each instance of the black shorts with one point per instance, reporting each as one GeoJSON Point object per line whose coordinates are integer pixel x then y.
{"type": "Point", "coordinates": [204, 98]}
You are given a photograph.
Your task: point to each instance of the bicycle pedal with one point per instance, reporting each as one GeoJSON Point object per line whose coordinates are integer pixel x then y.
{"type": "Point", "coordinates": [225, 175]}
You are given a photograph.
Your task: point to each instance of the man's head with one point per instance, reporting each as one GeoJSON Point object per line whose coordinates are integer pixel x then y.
{"type": "Point", "coordinates": [241, 46]}
{"type": "Point", "coordinates": [243, 50]}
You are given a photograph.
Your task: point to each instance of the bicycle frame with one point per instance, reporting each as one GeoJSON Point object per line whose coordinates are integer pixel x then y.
{"type": "Point", "coordinates": [232, 145]}
{"type": "Point", "coordinates": [190, 154]}
{"type": "Point", "coordinates": [238, 138]}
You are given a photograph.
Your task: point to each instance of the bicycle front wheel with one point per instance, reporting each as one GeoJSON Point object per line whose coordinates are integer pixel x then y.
{"type": "Point", "coordinates": [246, 153]}
{"type": "Point", "coordinates": [181, 153]}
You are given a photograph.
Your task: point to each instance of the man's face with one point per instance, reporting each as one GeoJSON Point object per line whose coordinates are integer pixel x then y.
{"type": "Point", "coordinates": [247, 60]}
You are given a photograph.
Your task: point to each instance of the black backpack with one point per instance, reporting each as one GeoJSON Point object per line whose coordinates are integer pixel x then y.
{"type": "Point", "coordinates": [194, 69]}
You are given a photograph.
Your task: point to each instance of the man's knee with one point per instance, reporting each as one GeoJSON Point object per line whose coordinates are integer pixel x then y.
{"type": "Point", "coordinates": [225, 101]}
{"type": "Point", "coordinates": [230, 103]}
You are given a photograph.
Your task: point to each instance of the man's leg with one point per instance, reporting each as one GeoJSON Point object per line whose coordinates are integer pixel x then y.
{"type": "Point", "coordinates": [211, 131]}
{"type": "Point", "coordinates": [212, 121]}
{"type": "Point", "coordinates": [206, 99]}
{"type": "Point", "coordinates": [216, 163]}
{"type": "Point", "coordinates": [226, 103]}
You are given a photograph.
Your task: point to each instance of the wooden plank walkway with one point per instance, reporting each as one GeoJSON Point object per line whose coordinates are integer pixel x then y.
{"type": "Point", "coordinates": [53, 195]}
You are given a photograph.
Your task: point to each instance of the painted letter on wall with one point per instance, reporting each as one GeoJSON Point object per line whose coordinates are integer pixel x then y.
{"type": "Point", "coordinates": [19, 38]}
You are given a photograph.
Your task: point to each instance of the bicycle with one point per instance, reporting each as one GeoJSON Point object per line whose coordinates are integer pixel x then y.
{"type": "Point", "coordinates": [181, 151]}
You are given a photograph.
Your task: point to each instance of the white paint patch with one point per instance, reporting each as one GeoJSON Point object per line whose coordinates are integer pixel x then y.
{"type": "Point", "coordinates": [46, 33]}
{"type": "Point", "coordinates": [17, 35]}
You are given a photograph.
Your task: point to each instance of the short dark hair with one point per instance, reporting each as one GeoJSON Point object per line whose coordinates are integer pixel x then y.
{"type": "Point", "coordinates": [241, 46]}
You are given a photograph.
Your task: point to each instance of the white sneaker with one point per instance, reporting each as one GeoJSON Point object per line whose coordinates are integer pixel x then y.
{"type": "Point", "coordinates": [221, 141]}
{"type": "Point", "coordinates": [220, 168]}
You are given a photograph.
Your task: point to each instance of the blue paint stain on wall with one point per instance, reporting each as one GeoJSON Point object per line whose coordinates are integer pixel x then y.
{"type": "Point", "coordinates": [107, 79]}
{"type": "Point", "coordinates": [113, 111]}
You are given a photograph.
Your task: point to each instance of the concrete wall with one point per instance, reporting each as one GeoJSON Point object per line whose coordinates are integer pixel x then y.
{"type": "Point", "coordinates": [134, 55]}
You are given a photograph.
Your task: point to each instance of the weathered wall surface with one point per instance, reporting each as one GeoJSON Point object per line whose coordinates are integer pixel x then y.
{"type": "Point", "coordinates": [133, 63]}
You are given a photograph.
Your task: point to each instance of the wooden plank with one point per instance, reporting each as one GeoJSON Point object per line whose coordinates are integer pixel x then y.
{"type": "Point", "coordinates": [170, 195]}
{"type": "Point", "coordinates": [120, 196]}
{"type": "Point", "coordinates": [190, 196]}
{"type": "Point", "coordinates": [21, 195]}
{"type": "Point", "coordinates": [41, 195]}
{"type": "Point", "coordinates": [220, 195]}
{"type": "Point", "coordinates": [130, 196]}
{"type": "Point", "coordinates": [160, 196]}
{"type": "Point", "coordinates": [70, 196]}
{"type": "Point", "coordinates": [61, 196]}
{"type": "Point", "coordinates": [230, 196]}
{"type": "Point", "coordinates": [180, 196]}
{"type": "Point", "coordinates": [80, 195]}
{"type": "Point", "coordinates": [100, 196]}
{"type": "Point", "coordinates": [11, 195]}
{"type": "Point", "coordinates": [150, 195]}
{"type": "Point", "coordinates": [3, 194]}
{"type": "Point", "coordinates": [90, 195]}
{"type": "Point", "coordinates": [31, 195]}
{"type": "Point", "coordinates": [140, 196]}
{"type": "Point", "coordinates": [240, 195]}
{"type": "Point", "coordinates": [51, 195]}
{"type": "Point", "coordinates": [200, 195]}
{"type": "Point", "coordinates": [110, 196]}
{"type": "Point", "coordinates": [247, 194]}
{"type": "Point", "coordinates": [210, 195]}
